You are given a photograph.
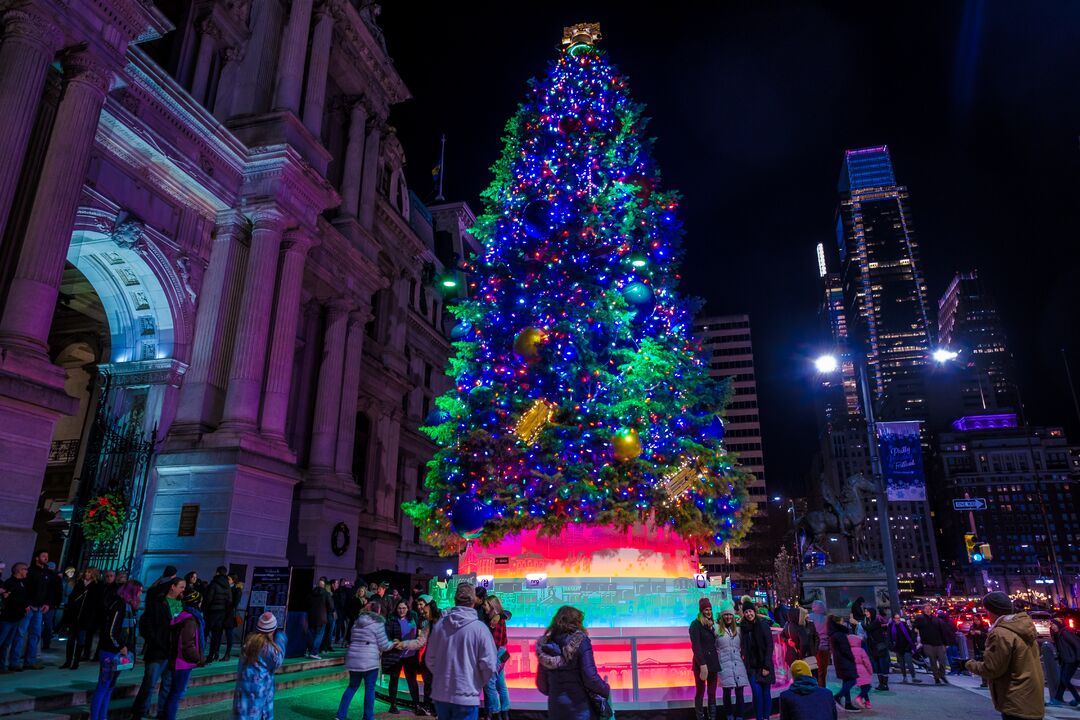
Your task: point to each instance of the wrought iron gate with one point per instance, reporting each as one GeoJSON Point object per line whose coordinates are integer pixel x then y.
{"type": "Point", "coordinates": [117, 462]}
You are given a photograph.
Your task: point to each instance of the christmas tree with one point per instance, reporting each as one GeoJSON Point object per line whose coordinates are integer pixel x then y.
{"type": "Point", "coordinates": [580, 396]}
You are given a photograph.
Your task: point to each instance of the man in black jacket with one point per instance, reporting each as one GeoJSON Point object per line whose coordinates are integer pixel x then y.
{"type": "Point", "coordinates": [217, 608]}
{"type": "Point", "coordinates": [933, 635]}
{"type": "Point", "coordinates": [877, 647]}
{"type": "Point", "coordinates": [45, 592]}
{"type": "Point", "coordinates": [154, 626]}
{"type": "Point", "coordinates": [319, 608]}
{"type": "Point", "coordinates": [15, 595]}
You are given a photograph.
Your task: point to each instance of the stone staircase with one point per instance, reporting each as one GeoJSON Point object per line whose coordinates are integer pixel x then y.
{"type": "Point", "coordinates": [54, 694]}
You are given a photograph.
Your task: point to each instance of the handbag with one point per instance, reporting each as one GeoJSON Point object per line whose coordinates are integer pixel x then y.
{"type": "Point", "coordinates": [601, 705]}
{"type": "Point", "coordinates": [124, 662]}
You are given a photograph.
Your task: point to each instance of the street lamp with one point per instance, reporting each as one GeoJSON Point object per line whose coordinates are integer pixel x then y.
{"type": "Point", "coordinates": [828, 364]}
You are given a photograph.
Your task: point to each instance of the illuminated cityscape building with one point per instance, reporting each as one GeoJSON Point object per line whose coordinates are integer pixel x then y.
{"type": "Point", "coordinates": [727, 342]}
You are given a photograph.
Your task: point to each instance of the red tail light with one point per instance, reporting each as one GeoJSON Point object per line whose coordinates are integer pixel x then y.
{"type": "Point", "coordinates": [1072, 624]}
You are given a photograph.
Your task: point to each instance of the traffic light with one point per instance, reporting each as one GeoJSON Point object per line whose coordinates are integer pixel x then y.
{"type": "Point", "coordinates": [977, 551]}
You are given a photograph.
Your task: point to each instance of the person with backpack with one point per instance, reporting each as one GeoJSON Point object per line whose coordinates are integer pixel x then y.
{"type": "Point", "coordinates": [187, 631]}
{"type": "Point", "coordinates": [117, 645]}
{"type": "Point", "coordinates": [262, 654]}
{"type": "Point", "coordinates": [706, 662]}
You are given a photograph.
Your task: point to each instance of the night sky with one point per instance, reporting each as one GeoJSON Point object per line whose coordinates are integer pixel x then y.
{"type": "Point", "coordinates": [753, 104]}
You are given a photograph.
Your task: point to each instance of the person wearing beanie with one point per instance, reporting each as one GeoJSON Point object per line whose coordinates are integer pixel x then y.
{"type": "Point", "coordinates": [261, 656]}
{"type": "Point", "coordinates": [461, 655]}
{"type": "Point", "coordinates": [804, 700]}
{"type": "Point", "coordinates": [706, 662]}
{"type": "Point", "coordinates": [757, 651]}
{"type": "Point", "coordinates": [1011, 662]}
{"type": "Point", "coordinates": [732, 675]}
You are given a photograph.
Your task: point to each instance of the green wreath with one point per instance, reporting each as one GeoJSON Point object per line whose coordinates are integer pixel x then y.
{"type": "Point", "coordinates": [103, 520]}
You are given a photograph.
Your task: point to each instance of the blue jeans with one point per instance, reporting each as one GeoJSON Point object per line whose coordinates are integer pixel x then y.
{"type": "Point", "coordinates": [496, 696]}
{"type": "Point", "coordinates": [18, 643]}
{"type": "Point", "coordinates": [450, 711]}
{"type": "Point", "coordinates": [152, 673]}
{"type": "Point", "coordinates": [99, 703]}
{"type": "Point", "coordinates": [176, 693]}
{"type": "Point", "coordinates": [762, 695]}
{"type": "Point", "coordinates": [315, 636]}
{"type": "Point", "coordinates": [33, 620]}
{"type": "Point", "coordinates": [369, 679]}
{"type": "Point", "coordinates": [8, 632]}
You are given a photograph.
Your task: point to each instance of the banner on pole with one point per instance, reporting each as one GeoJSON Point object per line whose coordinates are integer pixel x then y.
{"type": "Point", "coordinates": [902, 461]}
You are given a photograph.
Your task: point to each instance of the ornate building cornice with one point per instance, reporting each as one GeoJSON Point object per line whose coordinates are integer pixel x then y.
{"type": "Point", "coordinates": [366, 69]}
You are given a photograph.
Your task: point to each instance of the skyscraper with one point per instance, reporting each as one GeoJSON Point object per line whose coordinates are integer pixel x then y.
{"type": "Point", "coordinates": [968, 323]}
{"type": "Point", "coordinates": [726, 339]}
{"type": "Point", "coordinates": [873, 312]}
{"type": "Point", "coordinates": [884, 291]}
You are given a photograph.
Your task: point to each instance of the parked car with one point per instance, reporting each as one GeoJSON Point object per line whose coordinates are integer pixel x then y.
{"type": "Point", "coordinates": [1042, 620]}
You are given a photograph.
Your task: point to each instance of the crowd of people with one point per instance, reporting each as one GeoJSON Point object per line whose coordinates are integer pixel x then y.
{"type": "Point", "coordinates": [461, 652]}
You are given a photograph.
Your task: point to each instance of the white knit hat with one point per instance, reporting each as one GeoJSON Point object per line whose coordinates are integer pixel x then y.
{"type": "Point", "coordinates": [267, 623]}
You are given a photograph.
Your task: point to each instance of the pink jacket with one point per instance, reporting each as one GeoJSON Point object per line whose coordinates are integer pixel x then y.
{"type": "Point", "coordinates": [863, 669]}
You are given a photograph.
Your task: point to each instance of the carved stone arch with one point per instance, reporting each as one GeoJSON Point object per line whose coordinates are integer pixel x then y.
{"type": "Point", "coordinates": [150, 308]}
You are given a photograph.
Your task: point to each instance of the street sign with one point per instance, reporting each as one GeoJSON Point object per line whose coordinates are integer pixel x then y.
{"type": "Point", "coordinates": [969, 503]}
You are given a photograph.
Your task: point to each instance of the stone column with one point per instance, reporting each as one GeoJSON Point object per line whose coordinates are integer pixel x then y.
{"type": "Point", "coordinates": [290, 74]}
{"type": "Point", "coordinates": [28, 46]}
{"type": "Point", "coordinates": [231, 59]}
{"type": "Point", "coordinates": [371, 172]}
{"type": "Point", "coordinates": [350, 385]}
{"type": "Point", "coordinates": [253, 322]}
{"type": "Point", "coordinates": [315, 97]}
{"type": "Point", "coordinates": [324, 427]}
{"type": "Point", "coordinates": [204, 63]}
{"type": "Point", "coordinates": [211, 322]}
{"type": "Point", "coordinates": [353, 169]}
{"type": "Point", "coordinates": [283, 345]}
{"type": "Point", "coordinates": [32, 297]}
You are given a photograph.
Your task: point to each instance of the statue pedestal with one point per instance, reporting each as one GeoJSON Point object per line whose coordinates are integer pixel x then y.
{"type": "Point", "coordinates": [842, 583]}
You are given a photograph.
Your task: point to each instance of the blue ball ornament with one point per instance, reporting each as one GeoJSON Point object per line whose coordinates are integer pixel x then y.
{"type": "Point", "coordinates": [638, 294]}
{"type": "Point", "coordinates": [536, 219]}
{"type": "Point", "coordinates": [461, 330]}
{"type": "Point", "coordinates": [468, 516]}
{"type": "Point", "coordinates": [437, 417]}
{"type": "Point", "coordinates": [711, 430]}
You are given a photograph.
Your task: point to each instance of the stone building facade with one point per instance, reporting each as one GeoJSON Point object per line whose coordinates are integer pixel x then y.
{"type": "Point", "coordinates": [207, 236]}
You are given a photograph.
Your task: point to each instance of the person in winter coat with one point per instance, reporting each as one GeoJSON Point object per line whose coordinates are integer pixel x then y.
{"type": "Point", "coordinates": [706, 662]}
{"type": "Point", "coordinates": [567, 674]}
{"type": "Point", "coordinates": [81, 615]}
{"type": "Point", "coordinates": [1068, 651]}
{"type": "Point", "coordinates": [186, 640]}
{"type": "Point", "coordinates": [757, 651]}
{"type": "Point", "coordinates": [805, 700]}
{"type": "Point", "coordinates": [820, 620]}
{"type": "Point", "coordinates": [14, 599]}
{"type": "Point", "coordinates": [799, 636]}
{"type": "Point", "coordinates": [462, 657]}
{"type": "Point", "coordinates": [843, 660]}
{"type": "Point", "coordinates": [320, 605]}
{"type": "Point", "coordinates": [45, 592]}
{"type": "Point", "coordinates": [864, 671]}
{"type": "Point", "coordinates": [877, 647]}
{"type": "Point", "coordinates": [364, 658]}
{"type": "Point", "coordinates": [155, 626]}
{"type": "Point", "coordinates": [261, 656]}
{"type": "Point", "coordinates": [1011, 661]}
{"type": "Point", "coordinates": [117, 645]}
{"type": "Point", "coordinates": [934, 637]}
{"type": "Point", "coordinates": [902, 643]}
{"type": "Point", "coordinates": [217, 606]}
{"type": "Point", "coordinates": [402, 628]}
{"type": "Point", "coordinates": [978, 631]}
{"type": "Point", "coordinates": [732, 674]}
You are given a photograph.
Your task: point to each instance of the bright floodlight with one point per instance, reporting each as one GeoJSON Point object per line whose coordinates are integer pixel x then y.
{"type": "Point", "coordinates": [942, 355]}
{"type": "Point", "coordinates": [776, 498]}
{"type": "Point", "coordinates": [826, 364]}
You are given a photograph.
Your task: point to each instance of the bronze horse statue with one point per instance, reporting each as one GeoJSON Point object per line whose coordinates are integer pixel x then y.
{"type": "Point", "coordinates": [841, 516]}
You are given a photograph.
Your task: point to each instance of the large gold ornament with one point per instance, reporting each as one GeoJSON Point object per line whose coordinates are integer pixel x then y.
{"type": "Point", "coordinates": [527, 343]}
{"type": "Point", "coordinates": [626, 443]}
{"type": "Point", "coordinates": [533, 420]}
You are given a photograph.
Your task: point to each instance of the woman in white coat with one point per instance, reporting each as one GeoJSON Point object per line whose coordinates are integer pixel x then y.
{"type": "Point", "coordinates": [732, 671]}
